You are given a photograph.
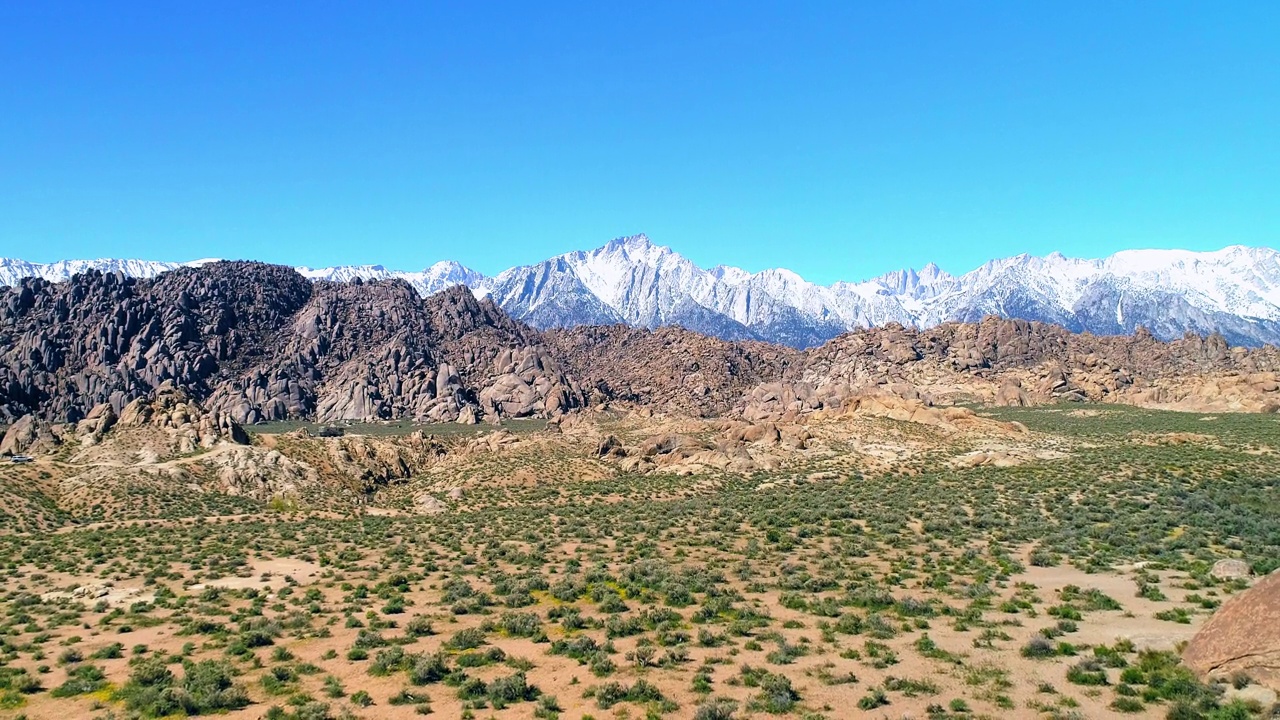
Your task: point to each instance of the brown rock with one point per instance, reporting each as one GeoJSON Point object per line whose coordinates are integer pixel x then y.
{"type": "Point", "coordinates": [763, 433]}
{"type": "Point", "coordinates": [1011, 394]}
{"type": "Point", "coordinates": [20, 437]}
{"type": "Point", "coordinates": [1242, 636]}
{"type": "Point", "coordinates": [611, 446]}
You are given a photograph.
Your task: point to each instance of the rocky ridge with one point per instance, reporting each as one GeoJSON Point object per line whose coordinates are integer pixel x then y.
{"type": "Point", "coordinates": [253, 342]}
{"type": "Point", "coordinates": [1234, 291]}
{"type": "Point", "coordinates": [1016, 362]}
{"type": "Point", "coordinates": [260, 342]}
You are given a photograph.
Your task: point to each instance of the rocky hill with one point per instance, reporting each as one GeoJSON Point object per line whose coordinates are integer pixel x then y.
{"type": "Point", "coordinates": [252, 342]}
{"type": "Point", "coordinates": [1016, 362]}
{"type": "Point", "coordinates": [670, 368]}
{"type": "Point", "coordinates": [261, 342]}
{"type": "Point", "coordinates": [1234, 292]}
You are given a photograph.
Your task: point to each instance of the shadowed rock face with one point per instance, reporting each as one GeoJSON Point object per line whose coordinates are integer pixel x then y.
{"type": "Point", "coordinates": [67, 347]}
{"type": "Point", "coordinates": [260, 342]}
{"type": "Point", "coordinates": [1242, 636]}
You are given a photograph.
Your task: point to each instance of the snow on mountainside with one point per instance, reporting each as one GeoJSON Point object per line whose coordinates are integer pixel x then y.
{"type": "Point", "coordinates": [441, 276]}
{"type": "Point", "coordinates": [1235, 291]}
{"type": "Point", "coordinates": [13, 270]}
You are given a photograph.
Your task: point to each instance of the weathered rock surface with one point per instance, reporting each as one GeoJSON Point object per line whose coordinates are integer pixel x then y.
{"type": "Point", "coordinates": [252, 342]}
{"type": "Point", "coordinates": [171, 408]}
{"type": "Point", "coordinates": [21, 437]}
{"type": "Point", "coordinates": [1019, 363]}
{"type": "Point", "coordinates": [66, 348]}
{"type": "Point", "coordinates": [1230, 569]}
{"type": "Point", "coordinates": [669, 369]}
{"type": "Point", "coordinates": [259, 342]}
{"type": "Point", "coordinates": [1242, 636]}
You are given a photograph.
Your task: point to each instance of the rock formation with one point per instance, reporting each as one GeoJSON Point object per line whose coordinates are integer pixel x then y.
{"type": "Point", "coordinates": [669, 369]}
{"type": "Point", "coordinates": [1242, 636]}
{"type": "Point", "coordinates": [252, 342]}
{"type": "Point", "coordinates": [259, 342]}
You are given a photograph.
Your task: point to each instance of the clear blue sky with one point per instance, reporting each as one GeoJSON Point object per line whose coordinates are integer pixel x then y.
{"type": "Point", "coordinates": [839, 139]}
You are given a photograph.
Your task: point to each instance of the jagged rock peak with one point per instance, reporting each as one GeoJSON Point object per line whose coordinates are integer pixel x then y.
{"type": "Point", "coordinates": [1234, 291]}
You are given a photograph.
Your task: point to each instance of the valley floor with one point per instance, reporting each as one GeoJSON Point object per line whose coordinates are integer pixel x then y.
{"type": "Point", "coordinates": [886, 571]}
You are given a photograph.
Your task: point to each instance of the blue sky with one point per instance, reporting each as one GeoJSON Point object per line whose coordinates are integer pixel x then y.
{"type": "Point", "coordinates": [840, 139]}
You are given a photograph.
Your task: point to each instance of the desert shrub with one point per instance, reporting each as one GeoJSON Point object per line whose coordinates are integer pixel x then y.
{"type": "Point", "coordinates": [515, 688]}
{"type": "Point", "coordinates": [409, 697]}
{"type": "Point", "coordinates": [388, 661]}
{"type": "Point", "coordinates": [1087, 672]}
{"type": "Point", "coordinates": [206, 687]}
{"type": "Point", "coordinates": [874, 699]}
{"type": "Point", "coordinates": [715, 709]}
{"type": "Point", "coordinates": [579, 648]}
{"type": "Point", "coordinates": [418, 626]}
{"type": "Point", "coordinates": [427, 669]}
{"type": "Point", "coordinates": [776, 694]}
{"type": "Point", "coordinates": [1038, 646]}
{"type": "Point", "coordinates": [110, 652]}
{"type": "Point", "coordinates": [466, 639]}
{"type": "Point", "coordinates": [520, 624]}
{"type": "Point", "coordinates": [1090, 599]}
{"type": "Point", "coordinates": [81, 680]}
{"type": "Point", "coordinates": [612, 693]}
{"type": "Point", "coordinates": [1127, 705]}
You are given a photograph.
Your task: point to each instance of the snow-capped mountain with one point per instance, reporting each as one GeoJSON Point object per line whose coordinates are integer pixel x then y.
{"type": "Point", "coordinates": [1235, 291]}
{"type": "Point", "coordinates": [441, 276]}
{"type": "Point", "coordinates": [13, 270]}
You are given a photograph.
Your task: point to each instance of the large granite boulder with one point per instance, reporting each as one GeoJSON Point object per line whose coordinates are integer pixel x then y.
{"type": "Point", "coordinates": [1242, 636]}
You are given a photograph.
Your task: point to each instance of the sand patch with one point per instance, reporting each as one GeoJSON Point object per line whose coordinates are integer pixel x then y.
{"type": "Point", "coordinates": [267, 575]}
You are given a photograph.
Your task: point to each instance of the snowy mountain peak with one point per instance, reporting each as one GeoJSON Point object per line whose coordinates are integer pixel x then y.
{"type": "Point", "coordinates": [913, 283]}
{"type": "Point", "coordinates": [638, 243]}
{"type": "Point", "coordinates": [448, 271]}
{"type": "Point", "coordinates": [1235, 291]}
{"type": "Point", "coordinates": [730, 274]}
{"type": "Point", "coordinates": [12, 270]}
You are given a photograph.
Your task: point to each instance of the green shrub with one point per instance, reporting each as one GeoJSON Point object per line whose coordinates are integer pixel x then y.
{"type": "Point", "coordinates": [81, 680]}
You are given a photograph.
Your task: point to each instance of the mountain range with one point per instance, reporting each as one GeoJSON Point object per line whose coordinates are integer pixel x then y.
{"type": "Point", "coordinates": [1234, 291]}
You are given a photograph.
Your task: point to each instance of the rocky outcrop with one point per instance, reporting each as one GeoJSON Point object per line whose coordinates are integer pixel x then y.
{"type": "Point", "coordinates": [1242, 636]}
{"type": "Point", "coordinates": [738, 447]}
{"type": "Point", "coordinates": [1230, 569]}
{"type": "Point", "coordinates": [359, 351]}
{"type": "Point", "coordinates": [25, 436]}
{"type": "Point", "coordinates": [171, 408]}
{"type": "Point", "coordinates": [1018, 363]}
{"type": "Point", "coordinates": [257, 342]}
{"type": "Point", "coordinates": [669, 369]}
{"type": "Point", "coordinates": [259, 474]}
{"type": "Point", "coordinates": [106, 339]}
{"type": "Point", "coordinates": [1011, 394]}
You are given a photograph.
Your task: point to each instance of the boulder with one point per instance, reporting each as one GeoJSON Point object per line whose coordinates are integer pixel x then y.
{"type": "Point", "coordinates": [1011, 394]}
{"type": "Point", "coordinates": [1242, 636]}
{"type": "Point", "coordinates": [467, 416]}
{"type": "Point", "coordinates": [1230, 569]}
{"type": "Point", "coordinates": [428, 504]}
{"type": "Point", "coordinates": [611, 446]}
{"type": "Point", "coordinates": [763, 433]}
{"type": "Point", "coordinates": [20, 437]}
